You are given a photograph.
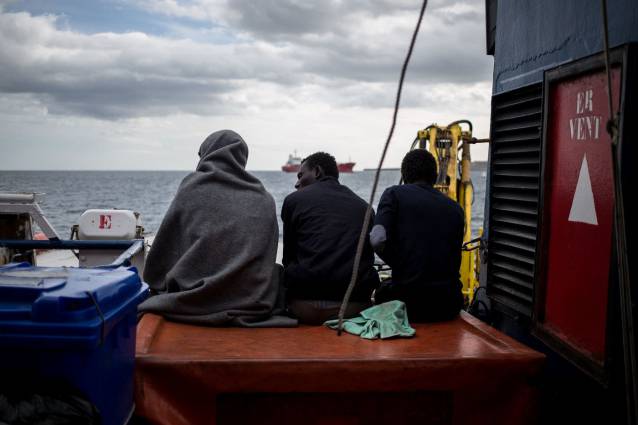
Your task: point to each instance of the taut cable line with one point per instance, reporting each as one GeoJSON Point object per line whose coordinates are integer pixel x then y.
{"type": "Point", "coordinates": [624, 284]}
{"type": "Point", "coordinates": [368, 214]}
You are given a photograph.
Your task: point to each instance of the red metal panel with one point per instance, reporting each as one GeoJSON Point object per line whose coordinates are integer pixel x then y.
{"type": "Point", "coordinates": [579, 203]}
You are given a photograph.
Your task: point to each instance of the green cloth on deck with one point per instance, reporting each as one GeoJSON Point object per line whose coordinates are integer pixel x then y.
{"type": "Point", "coordinates": [385, 320]}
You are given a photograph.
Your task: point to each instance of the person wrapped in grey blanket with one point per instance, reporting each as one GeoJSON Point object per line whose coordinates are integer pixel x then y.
{"type": "Point", "coordinates": [213, 259]}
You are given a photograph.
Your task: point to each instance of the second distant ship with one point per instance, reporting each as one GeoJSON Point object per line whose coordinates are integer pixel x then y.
{"type": "Point", "coordinates": [294, 163]}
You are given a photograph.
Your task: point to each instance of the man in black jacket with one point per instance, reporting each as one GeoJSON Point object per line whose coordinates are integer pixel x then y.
{"type": "Point", "coordinates": [322, 222]}
{"type": "Point", "coordinates": [418, 231]}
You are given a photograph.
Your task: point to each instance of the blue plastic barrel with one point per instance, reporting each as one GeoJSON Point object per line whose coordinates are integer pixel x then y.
{"type": "Point", "coordinates": [74, 326]}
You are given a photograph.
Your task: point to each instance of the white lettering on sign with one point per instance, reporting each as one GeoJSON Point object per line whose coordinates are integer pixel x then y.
{"type": "Point", "coordinates": [585, 127]}
{"type": "Point", "coordinates": [585, 101]}
{"type": "Point", "coordinates": [583, 208]}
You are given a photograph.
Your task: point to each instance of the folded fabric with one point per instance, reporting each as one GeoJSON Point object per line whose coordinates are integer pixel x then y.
{"type": "Point", "coordinates": [383, 321]}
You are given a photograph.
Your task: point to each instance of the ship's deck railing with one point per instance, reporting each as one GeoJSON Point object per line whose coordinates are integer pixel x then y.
{"type": "Point", "coordinates": [130, 247]}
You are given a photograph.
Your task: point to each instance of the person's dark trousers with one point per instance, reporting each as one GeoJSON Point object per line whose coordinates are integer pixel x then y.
{"type": "Point", "coordinates": [425, 302]}
{"type": "Point", "coordinates": [316, 312]}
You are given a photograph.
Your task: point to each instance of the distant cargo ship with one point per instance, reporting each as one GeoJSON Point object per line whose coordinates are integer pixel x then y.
{"type": "Point", "coordinates": [383, 169]}
{"type": "Point", "coordinates": [294, 163]}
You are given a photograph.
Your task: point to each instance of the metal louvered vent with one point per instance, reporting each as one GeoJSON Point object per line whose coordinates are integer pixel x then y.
{"type": "Point", "coordinates": [513, 198]}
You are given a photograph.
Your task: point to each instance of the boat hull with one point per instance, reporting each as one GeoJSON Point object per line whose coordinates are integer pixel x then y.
{"type": "Point", "coordinates": [290, 168]}
{"type": "Point", "coordinates": [345, 167]}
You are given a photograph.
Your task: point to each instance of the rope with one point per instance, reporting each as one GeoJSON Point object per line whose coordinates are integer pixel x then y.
{"type": "Point", "coordinates": [607, 68]}
{"type": "Point", "coordinates": [624, 285]}
{"type": "Point", "coordinates": [368, 214]}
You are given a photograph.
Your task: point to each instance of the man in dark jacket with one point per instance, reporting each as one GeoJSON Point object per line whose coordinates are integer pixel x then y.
{"type": "Point", "coordinates": [322, 222]}
{"type": "Point", "coordinates": [418, 231]}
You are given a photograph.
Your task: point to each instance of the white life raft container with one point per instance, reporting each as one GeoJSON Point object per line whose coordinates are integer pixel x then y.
{"type": "Point", "coordinates": [105, 224]}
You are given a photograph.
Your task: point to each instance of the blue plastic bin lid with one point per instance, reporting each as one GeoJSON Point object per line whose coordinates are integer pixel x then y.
{"type": "Point", "coordinates": [64, 305]}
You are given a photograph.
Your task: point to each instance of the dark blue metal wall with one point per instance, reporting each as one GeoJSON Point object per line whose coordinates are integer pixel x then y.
{"type": "Point", "coordinates": [529, 37]}
{"type": "Point", "coordinates": [535, 35]}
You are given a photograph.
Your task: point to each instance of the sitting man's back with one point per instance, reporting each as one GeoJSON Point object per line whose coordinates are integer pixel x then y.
{"type": "Point", "coordinates": [322, 222]}
{"type": "Point", "coordinates": [418, 232]}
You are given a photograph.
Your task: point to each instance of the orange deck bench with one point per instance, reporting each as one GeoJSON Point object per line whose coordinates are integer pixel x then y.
{"type": "Point", "coordinates": [457, 372]}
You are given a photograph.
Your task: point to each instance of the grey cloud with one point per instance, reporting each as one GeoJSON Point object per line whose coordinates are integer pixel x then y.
{"type": "Point", "coordinates": [113, 76]}
{"type": "Point", "coordinates": [439, 57]}
{"type": "Point", "coordinates": [335, 45]}
{"type": "Point", "coordinates": [283, 17]}
{"type": "Point", "coordinates": [382, 95]}
{"type": "Point", "coordinates": [442, 65]}
{"type": "Point", "coordinates": [331, 40]}
{"type": "Point", "coordinates": [276, 18]}
{"type": "Point", "coordinates": [117, 98]}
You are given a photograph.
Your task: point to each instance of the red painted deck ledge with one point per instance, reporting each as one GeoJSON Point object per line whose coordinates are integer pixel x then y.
{"type": "Point", "coordinates": [451, 372]}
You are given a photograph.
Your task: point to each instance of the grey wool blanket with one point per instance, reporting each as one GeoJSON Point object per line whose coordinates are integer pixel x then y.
{"type": "Point", "coordinates": [213, 259]}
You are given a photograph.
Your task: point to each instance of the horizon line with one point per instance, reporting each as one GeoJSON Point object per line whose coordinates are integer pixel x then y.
{"type": "Point", "coordinates": [180, 170]}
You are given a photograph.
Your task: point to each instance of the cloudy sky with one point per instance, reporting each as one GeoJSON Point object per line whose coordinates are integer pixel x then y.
{"type": "Point", "coordinates": [139, 84]}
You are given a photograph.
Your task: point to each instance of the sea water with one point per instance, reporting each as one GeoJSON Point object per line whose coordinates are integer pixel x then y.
{"type": "Point", "coordinates": [67, 194]}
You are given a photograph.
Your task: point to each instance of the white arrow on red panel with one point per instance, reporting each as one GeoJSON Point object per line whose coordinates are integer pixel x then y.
{"type": "Point", "coordinates": [583, 208]}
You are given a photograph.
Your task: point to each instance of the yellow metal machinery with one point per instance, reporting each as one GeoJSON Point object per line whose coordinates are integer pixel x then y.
{"type": "Point", "coordinates": [454, 180]}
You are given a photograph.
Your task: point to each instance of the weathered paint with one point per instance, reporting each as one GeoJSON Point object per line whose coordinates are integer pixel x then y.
{"type": "Point", "coordinates": [578, 232]}
{"type": "Point", "coordinates": [532, 36]}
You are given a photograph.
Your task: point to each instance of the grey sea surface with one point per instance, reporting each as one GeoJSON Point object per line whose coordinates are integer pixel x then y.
{"type": "Point", "coordinates": [67, 194]}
